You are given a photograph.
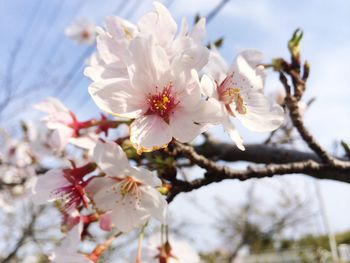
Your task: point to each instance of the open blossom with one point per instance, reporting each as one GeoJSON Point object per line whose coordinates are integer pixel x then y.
{"type": "Point", "coordinates": [175, 251]}
{"type": "Point", "coordinates": [67, 251]}
{"type": "Point", "coordinates": [161, 99]}
{"type": "Point", "coordinates": [128, 192]}
{"type": "Point", "coordinates": [238, 92]}
{"type": "Point", "coordinates": [65, 185]}
{"type": "Point", "coordinates": [82, 31]}
{"type": "Point", "coordinates": [148, 73]}
{"type": "Point", "coordinates": [65, 126]}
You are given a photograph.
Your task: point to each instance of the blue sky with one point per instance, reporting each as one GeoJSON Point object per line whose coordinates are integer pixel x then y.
{"type": "Point", "coordinates": [265, 25]}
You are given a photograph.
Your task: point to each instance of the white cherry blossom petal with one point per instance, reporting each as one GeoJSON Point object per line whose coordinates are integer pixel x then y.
{"type": "Point", "coordinates": [101, 190]}
{"type": "Point", "coordinates": [154, 203]}
{"type": "Point", "coordinates": [199, 32]}
{"type": "Point", "coordinates": [209, 87]}
{"type": "Point", "coordinates": [189, 55]}
{"type": "Point", "coordinates": [185, 126]}
{"type": "Point", "coordinates": [60, 137]}
{"type": "Point", "coordinates": [246, 74]}
{"type": "Point", "coordinates": [188, 91]}
{"type": "Point", "coordinates": [150, 62]}
{"type": "Point", "coordinates": [120, 28]}
{"type": "Point", "coordinates": [111, 158]}
{"type": "Point", "coordinates": [112, 50]}
{"type": "Point", "coordinates": [116, 97]}
{"type": "Point", "coordinates": [149, 132]}
{"type": "Point", "coordinates": [211, 112]}
{"type": "Point", "coordinates": [216, 67]}
{"type": "Point", "coordinates": [159, 24]}
{"type": "Point", "coordinates": [128, 214]}
{"type": "Point", "coordinates": [233, 133]}
{"type": "Point", "coordinates": [147, 177]}
{"type": "Point", "coordinates": [46, 185]}
{"type": "Point", "coordinates": [86, 142]}
{"type": "Point", "coordinates": [253, 57]}
{"type": "Point", "coordinates": [57, 112]}
{"type": "Point", "coordinates": [183, 31]}
{"type": "Point", "coordinates": [98, 73]}
{"type": "Point", "coordinates": [261, 115]}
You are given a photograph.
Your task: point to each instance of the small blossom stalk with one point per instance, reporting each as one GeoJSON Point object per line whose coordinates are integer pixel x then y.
{"type": "Point", "coordinates": [173, 251]}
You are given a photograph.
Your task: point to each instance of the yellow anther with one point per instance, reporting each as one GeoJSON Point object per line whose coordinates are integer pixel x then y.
{"type": "Point", "coordinates": [233, 95]}
{"type": "Point", "coordinates": [127, 33]}
{"type": "Point", "coordinates": [165, 99]}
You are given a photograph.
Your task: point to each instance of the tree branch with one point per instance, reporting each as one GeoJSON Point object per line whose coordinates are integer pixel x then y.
{"type": "Point", "coordinates": [255, 153]}
{"type": "Point", "coordinates": [339, 171]}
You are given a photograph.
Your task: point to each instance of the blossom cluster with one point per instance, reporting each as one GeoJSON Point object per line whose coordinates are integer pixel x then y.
{"type": "Point", "coordinates": [167, 85]}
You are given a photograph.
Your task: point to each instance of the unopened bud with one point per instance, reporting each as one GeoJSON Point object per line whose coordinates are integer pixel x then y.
{"type": "Point", "coordinates": [306, 71]}
{"type": "Point", "coordinates": [129, 149]}
{"type": "Point", "coordinates": [277, 64]}
{"type": "Point", "coordinates": [164, 190]}
{"type": "Point", "coordinates": [218, 43]}
{"type": "Point", "coordinates": [294, 43]}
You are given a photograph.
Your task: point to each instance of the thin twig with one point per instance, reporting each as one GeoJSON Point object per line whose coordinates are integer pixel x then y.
{"type": "Point", "coordinates": [296, 118]}
{"type": "Point", "coordinates": [215, 11]}
{"type": "Point", "coordinates": [26, 232]}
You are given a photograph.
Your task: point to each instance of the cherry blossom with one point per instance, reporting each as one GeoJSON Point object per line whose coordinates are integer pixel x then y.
{"type": "Point", "coordinates": [81, 31]}
{"type": "Point", "coordinates": [161, 99]}
{"type": "Point", "coordinates": [238, 92]}
{"type": "Point", "coordinates": [65, 185]}
{"type": "Point", "coordinates": [65, 126]}
{"type": "Point", "coordinates": [128, 192]}
{"type": "Point", "coordinates": [148, 73]}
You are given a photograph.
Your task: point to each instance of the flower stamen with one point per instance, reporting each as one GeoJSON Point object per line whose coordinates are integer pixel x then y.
{"type": "Point", "coordinates": [130, 186]}
{"type": "Point", "coordinates": [233, 95]}
{"type": "Point", "coordinates": [228, 94]}
{"type": "Point", "coordinates": [162, 103]}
